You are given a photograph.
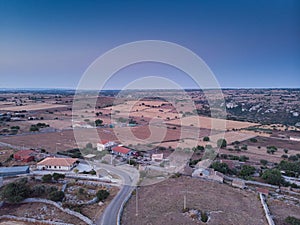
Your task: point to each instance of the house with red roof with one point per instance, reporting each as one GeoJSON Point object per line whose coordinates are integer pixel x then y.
{"type": "Point", "coordinates": [122, 151]}
{"type": "Point", "coordinates": [25, 155]}
{"type": "Point", "coordinates": [53, 163]}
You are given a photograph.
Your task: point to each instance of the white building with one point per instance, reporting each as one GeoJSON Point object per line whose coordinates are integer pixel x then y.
{"type": "Point", "coordinates": [57, 164]}
{"type": "Point", "coordinates": [105, 144]}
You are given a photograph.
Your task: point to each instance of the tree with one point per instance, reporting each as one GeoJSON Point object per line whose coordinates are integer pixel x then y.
{"type": "Point", "coordinates": [264, 162]}
{"type": "Point", "coordinates": [285, 151]}
{"type": "Point", "coordinates": [220, 167]}
{"type": "Point", "coordinates": [39, 190]}
{"type": "Point", "coordinates": [102, 195]}
{"type": "Point", "coordinates": [222, 143]}
{"type": "Point", "coordinates": [57, 176]}
{"type": "Point", "coordinates": [33, 128]}
{"type": "Point", "coordinates": [247, 171]}
{"type": "Point", "coordinates": [98, 122]}
{"type": "Point", "coordinates": [206, 138]}
{"type": "Point", "coordinates": [47, 178]}
{"type": "Point", "coordinates": [56, 196]}
{"type": "Point", "coordinates": [89, 145]}
{"type": "Point", "coordinates": [293, 158]}
{"type": "Point", "coordinates": [273, 176]}
{"type": "Point", "coordinates": [15, 192]}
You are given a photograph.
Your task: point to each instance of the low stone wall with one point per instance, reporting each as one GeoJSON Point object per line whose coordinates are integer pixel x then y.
{"type": "Point", "coordinates": [266, 210]}
{"type": "Point", "coordinates": [70, 212]}
{"type": "Point", "coordinates": [31, 220]}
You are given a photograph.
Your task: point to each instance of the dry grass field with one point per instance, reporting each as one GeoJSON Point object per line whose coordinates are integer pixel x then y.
{"type": "Point", "coordinates": [33, 107]}
{"type": "Point", "coordinates": [280, 210]}
{"type": "Point", "coordinates": [209, 123]}
{"type": "Point", "coordinates": [163, 203]}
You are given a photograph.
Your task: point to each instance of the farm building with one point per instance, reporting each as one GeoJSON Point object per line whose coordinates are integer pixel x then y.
{"type": "Point", "coordinates": [13, 171]}
{"type": "Point", "coordinates": [25, 155]}
{"type": "Point", "coordinates": [57, 164]}
{"type": "Point", "coordinates": [105, 144]}
{"type": "Point", "coordinates": [208, 173]}
{"type": "Point", "coordinates": [122, 151]}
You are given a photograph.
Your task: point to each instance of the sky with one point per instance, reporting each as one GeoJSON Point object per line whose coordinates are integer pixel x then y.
{"type": "Point", "coordinates": [51, 43]}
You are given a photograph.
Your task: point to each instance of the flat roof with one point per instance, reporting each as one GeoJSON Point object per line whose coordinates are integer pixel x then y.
{"type": "Point", "coordinates": [13, 169]}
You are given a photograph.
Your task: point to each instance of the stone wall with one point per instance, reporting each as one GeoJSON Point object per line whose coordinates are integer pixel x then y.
{"type": "Point", "coordinates": [66, 210]}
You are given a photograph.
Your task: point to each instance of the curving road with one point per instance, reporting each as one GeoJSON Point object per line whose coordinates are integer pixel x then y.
{"type": "Point", "coordinates": [112, 213]}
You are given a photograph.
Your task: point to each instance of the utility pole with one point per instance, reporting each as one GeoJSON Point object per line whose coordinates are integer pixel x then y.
{"type": "Point", "coordinates": [185, 197]}
{"type": "Point", "coordinates": [136, 202]}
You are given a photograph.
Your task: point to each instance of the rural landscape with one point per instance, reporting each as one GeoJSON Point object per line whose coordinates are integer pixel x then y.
{"type": "Point", "coordinates": [149, 112]}
{"type": "Point", "coordinates": [249, 168]}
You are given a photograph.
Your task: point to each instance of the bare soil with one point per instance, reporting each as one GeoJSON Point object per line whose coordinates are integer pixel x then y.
{"type": "Point", "coordinates": [163, 203]}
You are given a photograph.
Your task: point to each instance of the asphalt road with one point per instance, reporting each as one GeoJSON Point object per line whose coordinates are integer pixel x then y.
{"type": "Point", "coordinates": [111, 213]}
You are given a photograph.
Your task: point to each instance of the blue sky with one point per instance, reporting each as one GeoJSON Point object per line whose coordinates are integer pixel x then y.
{"type": "Point", "coordinates": [47, 43]}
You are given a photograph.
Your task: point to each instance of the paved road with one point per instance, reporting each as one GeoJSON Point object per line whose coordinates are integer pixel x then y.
{"type": "Point", "coordinates": [111, 213]}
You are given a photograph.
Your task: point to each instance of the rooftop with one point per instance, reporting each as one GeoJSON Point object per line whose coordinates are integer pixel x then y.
{"type": "Point", "coordinates": [13, 169]}
{"type": "Point", "coordinates": [58, 161]}
{"type": "Point", "coordinates": [25, 153]}
{"type": "Point", "coordinates": [121, 149]}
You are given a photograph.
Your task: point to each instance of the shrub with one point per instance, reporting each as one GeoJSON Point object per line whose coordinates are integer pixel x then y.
{"type": "Point", "coordinates": [221, 143]}
{"type": "Point", "coordinates": [204, 217]}
{"type": "Point", "coordinates": [57, 176]}
{"type": "Point", "coordinates": [206, 138]}
{"type": "Point", "coordinates": [102, 195]}
{"type": "Point", "coordinates": [220, 167]}
{"type": "Point", "coordinates": [47, 178]}
{"type": "Point", "coordinates": [247, 171]}
{"type": "Point", "coordinates": [15, 192]}
{"type": "Point", "coordinates": [254, 140]}
{"type": "Point", "coordinates": [273, 176]}
{"type": "Point", "coordinates": [264, 162]}
{"type": "Point", "coordinates": [292, 220]}
{"type": "Point", "coordinates": [57, 196]}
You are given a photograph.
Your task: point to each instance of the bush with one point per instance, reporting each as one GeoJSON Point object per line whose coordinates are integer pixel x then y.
{"type": "Point", "coordinates": [15, 192]}
{"type": "Point", "coordinates": [89, 145]}
{"type": "Point", "coordinates": [264, 162]}
{"type": "Point", "coordinates": [206, 138]}
{"type": "Point", "coordinates": [292, 220]}
{"type": "Point", "coordinates": [273, 176]}
{"type": "Point", "coordinates": [204, 217]}
{"type": "Point", "coordinates": [102, 195]}
{"type": "Point", "coordinates": [247, 171]}
{"type": "Point", "coordinates": [254, 140]}
{"type": "Point", "coordinates": [57, 196]}
{"type": "Point", "coordinates": [57, 176]}
{"type": "Point", "coordinates": [47, 178]}
{"type": "Point", "coordinates": [220, 167]}
{"type": "Point", "coordinates": [293, 158]}
{"type": "Point", "coordinates": [39, 190]}
{"type": "Point", "coordinates": [221, 143]}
